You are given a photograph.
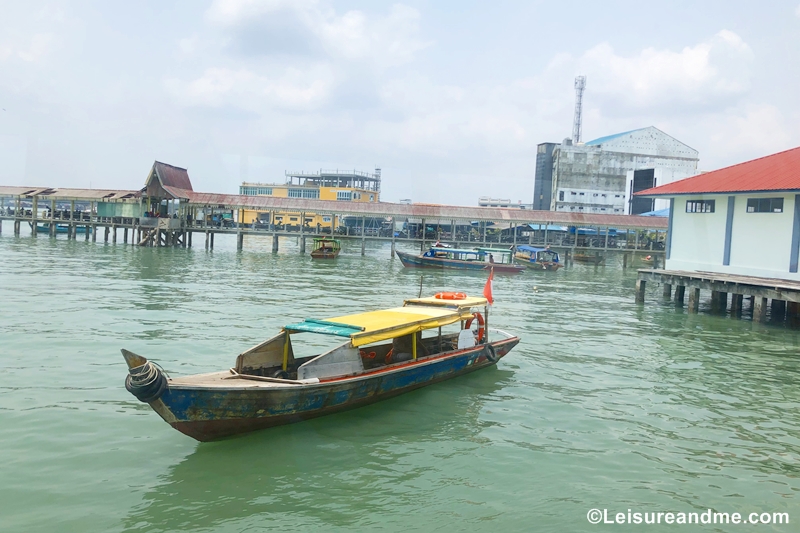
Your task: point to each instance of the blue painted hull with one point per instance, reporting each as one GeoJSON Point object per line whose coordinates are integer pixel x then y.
{"type": "Point", "coordinates": [418, 261]}
{"type": "Point", "coordinates": [210, 413]}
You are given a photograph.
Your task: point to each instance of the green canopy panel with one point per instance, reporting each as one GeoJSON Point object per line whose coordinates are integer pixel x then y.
{"type": "Point", "coordinates": [311, 325]}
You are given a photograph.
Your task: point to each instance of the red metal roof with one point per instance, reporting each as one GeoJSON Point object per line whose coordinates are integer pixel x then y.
{"type": "Point", "coordinates": [171, 176]}
{"type": "Point", "coordinates": [776, 172]}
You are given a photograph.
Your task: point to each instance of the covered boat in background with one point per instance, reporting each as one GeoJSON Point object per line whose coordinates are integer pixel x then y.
{"type": "Point", "coordinates": [454, 258]}
{"type": "Point", "coordinates": [325, 248]}
{"type": "Point", "coordinates": [386, 353]}
{"type": "Point", "coordinates": [537, 258]}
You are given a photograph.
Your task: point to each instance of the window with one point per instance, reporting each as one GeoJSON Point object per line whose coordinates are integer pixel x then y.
{"type": "Point", "coordinates": [573, 193]}
{"type": "Point", "coordinates": [700, 206]}
{"type": "Point", "coordinates": [765, 205]}
{"type": "Point", "coordinates": [304, 193]}
{"type": "Point", "coordinates": [371, 197]}
{"type": "Point", "coordinates": [560, 196]}
{"type": "Point", "coordinates": [344, 195]}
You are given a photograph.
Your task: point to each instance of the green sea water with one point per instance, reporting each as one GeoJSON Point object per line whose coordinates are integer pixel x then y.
{"type": "Point", "coordinates": [604, 403]}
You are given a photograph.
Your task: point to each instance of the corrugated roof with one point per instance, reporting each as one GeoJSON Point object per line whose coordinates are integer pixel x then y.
{"type": "Point", "coordinates": [776, 172]}
{"type": "Point", "coordinates": [429, 212]}
{"type": "Point", "coordinates": [172, 176]}
{"type": "Point", "coordinates": [65, 193]}
{"type": "Point", "coordinates": [601, 140]}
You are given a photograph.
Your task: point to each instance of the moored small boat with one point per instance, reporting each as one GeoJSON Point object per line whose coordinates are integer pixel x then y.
{"type": "Point", "coordinates": [455, 258]}
{"type": "Point", "coordinates": [325, 248]}
{"type": "Point", "coordinates": [592, 259]}
{"type": "Point", "coordinates": [537, 258]}
{"type": "Point", "coordinates": [61, 228]}
{"type": "Point", "coordinates": [386, 353]}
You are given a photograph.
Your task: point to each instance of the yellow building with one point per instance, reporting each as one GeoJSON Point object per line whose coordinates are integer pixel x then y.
{"type": "Point", "coordinates": [337, 185]}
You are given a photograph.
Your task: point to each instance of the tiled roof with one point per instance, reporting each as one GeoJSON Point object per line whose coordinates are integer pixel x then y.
{"type": "Point", "coordinates": [776, 172]}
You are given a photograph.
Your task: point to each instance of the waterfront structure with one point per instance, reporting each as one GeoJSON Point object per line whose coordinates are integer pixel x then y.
{"type": "Point", "coordinates": [338, 185]}
{"type": "Point", "coordinates": [743, 219]}
{"type": "Point", "coordinates": [167, 212]}
{"type": "Point", "coordinates": [735, 230]}
{"type": "Point", "coordinates": [601, 175]}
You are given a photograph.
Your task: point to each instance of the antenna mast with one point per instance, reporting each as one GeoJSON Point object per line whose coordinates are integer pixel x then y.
{"type": "Point", "coordinates": [580, 84]}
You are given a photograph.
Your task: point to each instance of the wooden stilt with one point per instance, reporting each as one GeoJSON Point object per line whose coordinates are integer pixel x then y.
{"type": "Point", "coordinates": [778, 310]}
{"type": "Point", "coordinates": [694, 300]}
{"type": "Point", "coordinates": [736, 304]}
{"type": "Point", "coordinates": [667, 291]}
{"type": "Point", "coordinates": [679, 292]}
{"type": "Point", "coordinates": [759, 309]}
{"type": "Point", "coordinates": [640, 288]}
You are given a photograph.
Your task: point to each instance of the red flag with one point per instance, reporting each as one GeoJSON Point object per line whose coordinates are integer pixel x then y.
{"type": "Point", "coordinates": [487, 289]}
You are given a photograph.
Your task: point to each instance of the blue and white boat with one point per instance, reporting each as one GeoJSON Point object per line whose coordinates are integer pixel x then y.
{"type": "Point", "coordinates": [537, 258]}
{"type": "Point", "coordinates": [498, 259]}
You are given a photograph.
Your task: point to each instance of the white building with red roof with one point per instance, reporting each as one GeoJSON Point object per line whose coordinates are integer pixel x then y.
{"type": "Point", "coordinates": [743, 219]}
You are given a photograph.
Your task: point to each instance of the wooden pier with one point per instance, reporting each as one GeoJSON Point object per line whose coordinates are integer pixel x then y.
{"type": "Point", "coordinates": [781, 296]}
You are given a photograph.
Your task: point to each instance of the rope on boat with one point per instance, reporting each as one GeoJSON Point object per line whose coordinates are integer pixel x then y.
{"type": "Point", "coordinates": [147, 382]}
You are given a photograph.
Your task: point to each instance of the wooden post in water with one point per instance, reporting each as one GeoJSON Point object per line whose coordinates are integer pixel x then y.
{"type": "Point", "coordinates": [759, 309]}
{"type": "Point", "coordinates": [679, 291]}
{"type": "Point", "coordinates": [667, 291]}
{"type": "Point", "coordinates": [363, 235]}
{"type": "Point", "coordinates": [114, 231]}
{"type": "Point", "coordinates": [302, 244]}
{"type": "Point", "coordinates": [211, 245]}
{"type": "Point", "coordinates": [188, 238]}
{"type": "Point", "coordinates": [694, 300]}
{"type": "Point", "coordinates": [125, 236]}
{"type": "Point", "coordinates": [208, 238]}
{"type": "Point", "coordinates": [240, 242]}
{"type": "Point", "coordinates": [736, 304]}
{"type": "Point", "coordinates": [778, 310]}
{"type": "Point", "coordinates": [640, 288]}
{"type": "Point", "coordinates": [107, 232]}
{"type": "Point", "coordinates": [394, 245]}
{"type": "Point", "coordinates": [624, 260]}
{"type": "Point", "coordinates": [274, 243]}
{"type": "Point", "coordinates": [94, 232]}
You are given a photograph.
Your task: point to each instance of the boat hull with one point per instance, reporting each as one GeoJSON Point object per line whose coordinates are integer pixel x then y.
{"type": "Point", "coordinates": [324, 255]}
{"type": "Point", "coordinates": [211, 413]}
{"type": "Point", "coordinates": [418, 261]}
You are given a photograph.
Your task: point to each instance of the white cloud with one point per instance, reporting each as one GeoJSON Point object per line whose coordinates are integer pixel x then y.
{"type": "Point", "coordinates": [289, 88]}
{"type": "Point", "coordinates": [389, 40]}
{"type": "Point", "coordinates": [36, 48]}
{"type": "Point", "coordinates": [707, 73]}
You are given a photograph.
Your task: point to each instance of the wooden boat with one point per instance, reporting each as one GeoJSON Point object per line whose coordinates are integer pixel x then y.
{"type": "Point", "coordinates": [592, 259]}
{"type": "Point", "coordinates": [325, 248]}
{"type": "Point", "coordinates": [537, 258]}
{"type": "Point", "coordinates": [454, 258]}
{"type": "Point", "coordinates": [386, 353]}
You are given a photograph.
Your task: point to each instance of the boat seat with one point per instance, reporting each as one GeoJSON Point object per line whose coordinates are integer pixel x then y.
{"type": "Point", "coordinates": [466, 339]}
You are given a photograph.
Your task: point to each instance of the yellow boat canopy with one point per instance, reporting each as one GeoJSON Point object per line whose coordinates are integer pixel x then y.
{"type": "Point", "coordinates": [375, 326]}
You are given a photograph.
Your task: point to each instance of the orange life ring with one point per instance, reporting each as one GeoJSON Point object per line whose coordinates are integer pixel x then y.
{"type": "Point", "coordinates": [450, 296]}
{"type": "Point", "coordinates": [481, 328]}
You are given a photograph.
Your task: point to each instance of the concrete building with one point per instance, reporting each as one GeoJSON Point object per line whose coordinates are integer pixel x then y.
{"type": "Point", "coordinates": [486, 201]}
{"type": "Point", "coordinates": [339, 185]}
{"type": "Point", "coordinates": [600, 176]}
{"type": "Point", "coordinates": [742, 220]}
{"type": "Point", "coordinates": [543, 179]}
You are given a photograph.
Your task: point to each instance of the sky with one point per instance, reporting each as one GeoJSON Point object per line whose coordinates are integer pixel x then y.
{"type": "Point", "coordinates": [448, 98]}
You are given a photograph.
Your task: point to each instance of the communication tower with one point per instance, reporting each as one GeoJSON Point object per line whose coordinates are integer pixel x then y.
{"type": "Point", "coordinates": [580, 84]}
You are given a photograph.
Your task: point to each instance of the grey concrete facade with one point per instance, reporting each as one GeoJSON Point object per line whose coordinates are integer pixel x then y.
{"type": "Point", "coordinates": [593, 177]}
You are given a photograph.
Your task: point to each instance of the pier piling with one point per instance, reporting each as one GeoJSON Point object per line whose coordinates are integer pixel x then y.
{"type": "Point", "coordinates": [125, 236]}
{"type": "Point", "coordinates": [694, 300]}
{"type": "Point", "coordinates": [302, 245]}
{"type": "Point", "coordinates": [207, 238]}
{"type": "Point", "coordinates": [640, 288]}
{"type": "Point", "coordinates": [778, 310]}
{"type": "Point", "coordinates": [94, 233]}
{"type": "Point", "coordinates": [211, 244]}
{"type": "Point", "coordinates": [108, 230]}
{"type": "Point", "coordinates": [274, 243]}
{"type": "Point", "coordinates": [667, 291]}
{"type": "Point", "coordinates": [736, 304]}
{"type": "Point", "coordinates": [679, 293]}
{"type": "Point", "coordinates": [240, 241]}
{"type": "Point", "coordinates": [759, 309]}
